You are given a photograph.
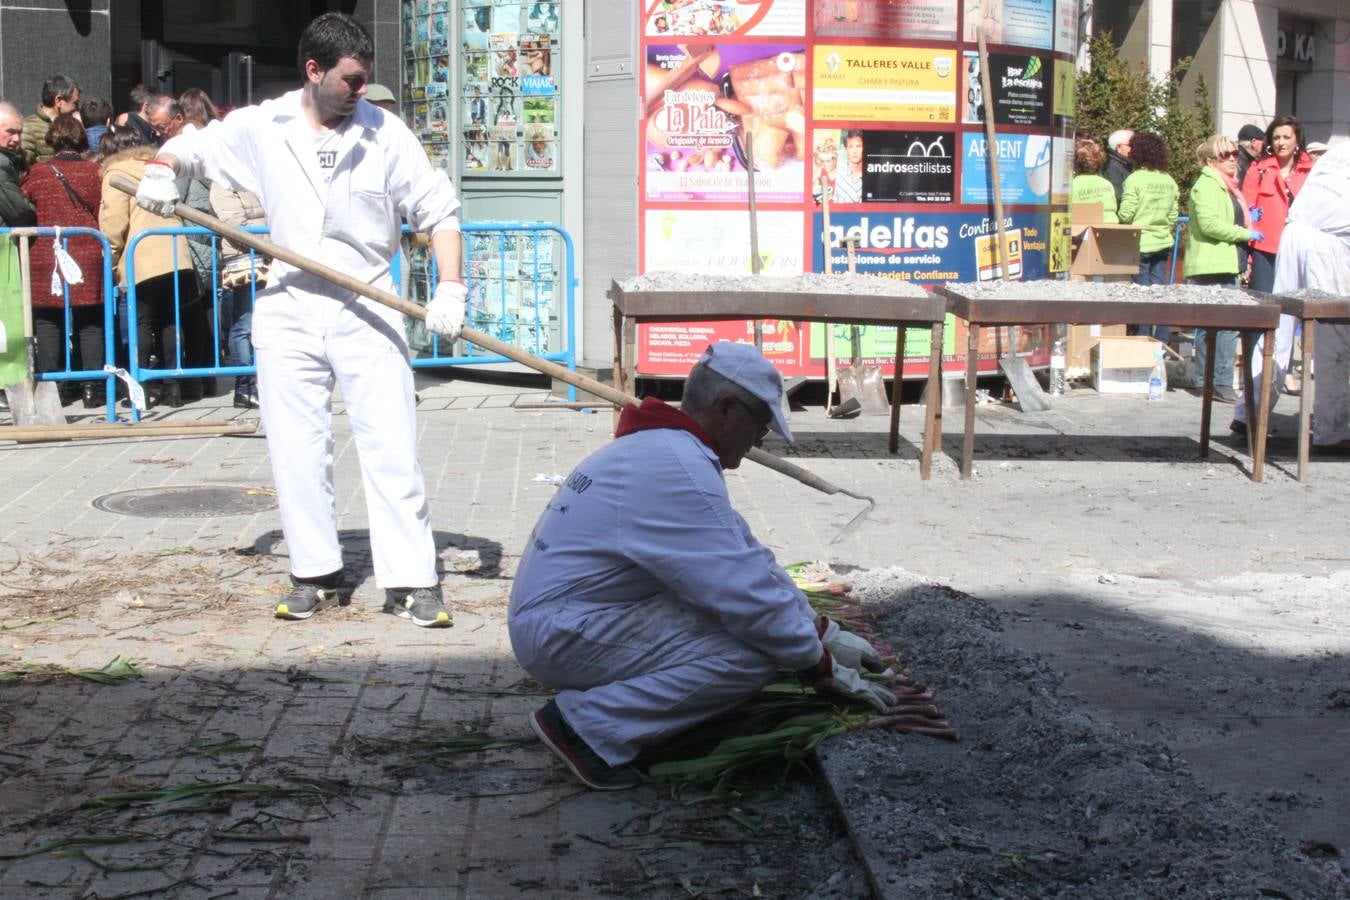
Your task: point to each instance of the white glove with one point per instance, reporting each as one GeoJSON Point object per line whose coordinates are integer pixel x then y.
{"type": "Point", "coordinates": [851, 650]}
{"type": "Point", "coordinates": [445, 312]}
{"type": "Point", "coordinates": [848, 684]}
{"type": "Point", "coordinates": [157, 191]}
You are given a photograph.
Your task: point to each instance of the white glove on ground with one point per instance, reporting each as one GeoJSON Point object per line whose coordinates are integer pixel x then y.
{"type": "Point", "coordinates": [848, 684]}
{"type": "Point", "coordinates": [851, 650]}
{"type": "Point", "coordinates": [157, 191]}
{"type": "Point", "coordinates": [445, 312]}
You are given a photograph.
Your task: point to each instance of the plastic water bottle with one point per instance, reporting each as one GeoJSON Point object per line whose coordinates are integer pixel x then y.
{"type": "Point", "coordinates": [1157, 379]}
{"type": "Point", "coordinates": [1057, 367]}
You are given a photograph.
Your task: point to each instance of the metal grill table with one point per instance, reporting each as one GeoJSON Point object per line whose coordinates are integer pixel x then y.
{"type": "Point", "coordinates": [1310, 307]}
{"type": "Point", "coordinates": [1081, 303]}
{"type": "Point", "coordinates": [844, 299]}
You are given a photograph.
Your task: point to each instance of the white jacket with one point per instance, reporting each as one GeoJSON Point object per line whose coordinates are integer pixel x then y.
{"type": "Point", "coordinates": [649, 516]}
{"type": "Point", "coordinates": [350, 222]}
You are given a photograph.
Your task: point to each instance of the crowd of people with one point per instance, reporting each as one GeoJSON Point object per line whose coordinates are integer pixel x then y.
{"type": "Point", "coordinates": [1237, 209]}
{"type": "Point", "coordinates": [55, 166]}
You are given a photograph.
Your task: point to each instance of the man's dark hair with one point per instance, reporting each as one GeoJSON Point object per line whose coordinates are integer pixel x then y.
{"type": "Point", "coordinates": [140, 95]}
{"type": "Point", "coordinates": [331, 37]}
{"type": "Point", "coordinates": [95, 111]}
{"type": "Point", "coordinates": [67, 133]}
{"type": "Point", "coordinates": [56, 86]}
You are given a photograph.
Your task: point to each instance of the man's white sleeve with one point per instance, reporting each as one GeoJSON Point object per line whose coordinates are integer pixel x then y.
{"type": "Point", "coordinates": [224, 151]}
{"type": "Point", "coordinates": [425, 196]}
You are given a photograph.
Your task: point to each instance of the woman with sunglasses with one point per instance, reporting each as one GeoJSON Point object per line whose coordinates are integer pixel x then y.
{"type": "Point", "coordinates": [1219, 224]}
{"type": "Point", "coordinates": [1271, 184]}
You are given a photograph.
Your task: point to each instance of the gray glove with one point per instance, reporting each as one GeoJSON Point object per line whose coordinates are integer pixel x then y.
{"type": "Point", "coordinates": [851, 650]}
{"type": "Point", "coordinates": [848, 684]}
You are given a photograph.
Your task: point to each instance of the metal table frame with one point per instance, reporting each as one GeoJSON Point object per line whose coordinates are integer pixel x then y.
{"type": "Point", "coordinates": [1309, 311]}
{"type": "Point", "coordinates": [632, 308]}
{"type": "Point", "coordinates": [1245, 319]}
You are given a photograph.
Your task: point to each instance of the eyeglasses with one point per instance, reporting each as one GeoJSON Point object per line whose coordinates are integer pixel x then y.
{"type": "Point", "coordinates": [762, 423]}
{"type": "Point", "coordinates": [1227, 154]}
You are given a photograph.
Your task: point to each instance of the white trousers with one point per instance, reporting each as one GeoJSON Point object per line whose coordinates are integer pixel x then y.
{"type": "Point", "coordinates": [296, 374]}
{"type": "Point", "coordinates": [636, 674]}
{"type": "Point", "coordinates": [1284, 349]}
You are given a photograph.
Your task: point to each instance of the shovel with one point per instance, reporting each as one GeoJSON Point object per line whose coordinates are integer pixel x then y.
{"type": "Point", "coordinates": [848, 406]}
{"type": "Point", "coordinates": [257, 242]}
{"type": "Point", "coordinates": [862, 384]}
{"type": "Point", "coordinates": [1030, 397]}
{"type": "Point", "coordinates": [32, 402]}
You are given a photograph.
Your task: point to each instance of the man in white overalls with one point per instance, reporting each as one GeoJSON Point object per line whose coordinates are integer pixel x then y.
{"type": "Point", "coordinates": [336, 176]}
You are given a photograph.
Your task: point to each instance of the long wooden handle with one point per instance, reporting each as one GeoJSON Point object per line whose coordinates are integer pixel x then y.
{"type": "Point", "coordinates": [995, 184]}
{"type": "Point", "coordinates": [261, 244]}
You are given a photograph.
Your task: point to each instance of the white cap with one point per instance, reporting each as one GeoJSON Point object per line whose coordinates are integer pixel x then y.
{"type": "Point", "coordinates": [745, 366]}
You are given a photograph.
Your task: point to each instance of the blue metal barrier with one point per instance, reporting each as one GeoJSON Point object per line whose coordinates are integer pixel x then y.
{"type": "Point", "coordinates": [500, 259]}
{"type": "Point", "coordinates": [109, 305]}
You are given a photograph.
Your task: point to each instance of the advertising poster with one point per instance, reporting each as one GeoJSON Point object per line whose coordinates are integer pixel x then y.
{"type": "Point", "coordinates": [877, 345]}
{"type": "Point", "coordinates": [914, 20]}
{"type": "Point", "coordinates": [714, 18]}
{"type": "Point", "coordinates": [1021, 84]}
{"type": "Point", "coordinates": [908, 166]}
{"type": "Point", "coordinates": [718, 242]}
{"type": "Point", "coordinates": [1024, 23]}
{"type": "Point", "coordinates": [1066, 26]}
{"type": "Point", "coordinates": [1060, 249]}
{"type": "Point", "coordinates": [930, 248]}
{"type": "Point", "coordinates": [702, 102]}
{"type": "Point", "coordinates": [1066, 83]}
{"type": "Point", "coordinates": [1061, 170]}
{"type": "Point", "coordinates": [1024, 168]}
{"type": "Point", "coordinates": [884, 84]}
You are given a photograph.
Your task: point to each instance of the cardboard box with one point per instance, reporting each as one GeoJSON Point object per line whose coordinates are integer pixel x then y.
{"type": "Point", "coordinates": [1101, 249]}
{"type": "Point", "coordinates": [1079, 344]}
{"type": "Point", "coordinates": [1122, 365]}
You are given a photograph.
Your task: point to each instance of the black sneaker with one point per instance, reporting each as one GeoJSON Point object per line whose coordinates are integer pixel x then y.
{"type": "Point", "coordinates": [304, 600]}
{"type": "Point", "coordinates": [424, 606]}
{"type": "Point", "coordinates": [548, 723]}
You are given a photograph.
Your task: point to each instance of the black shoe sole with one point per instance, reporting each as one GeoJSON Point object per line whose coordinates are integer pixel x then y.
{"type": "Point", "coordinates": [559, 749]}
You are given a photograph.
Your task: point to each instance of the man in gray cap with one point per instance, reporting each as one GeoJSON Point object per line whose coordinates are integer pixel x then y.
{"type": "Point", "coordinates": [643, 597]}
{"type": "Point", "coordinates": [1250, 141]}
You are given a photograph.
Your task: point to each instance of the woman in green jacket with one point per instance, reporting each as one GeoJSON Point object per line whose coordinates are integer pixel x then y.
{"type": "Point", "coordinates": [1219, 224]}
{"type": "Point", "coordinates": [1088, 185]}
{"type": "Point", "coordinates": [1148, 199]}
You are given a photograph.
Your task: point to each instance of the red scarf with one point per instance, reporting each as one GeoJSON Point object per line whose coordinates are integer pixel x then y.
{"type": "Point", "coordinates": [654, 413]}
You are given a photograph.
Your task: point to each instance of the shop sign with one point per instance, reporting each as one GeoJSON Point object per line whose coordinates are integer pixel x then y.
{"type": "Point", "coordinates": [884, 84]}
{"type": "Point", "coordinates": [1022, 87]}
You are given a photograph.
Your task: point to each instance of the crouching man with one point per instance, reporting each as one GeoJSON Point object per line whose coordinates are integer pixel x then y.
{"type": "Point", "coordinates": [644, 599]}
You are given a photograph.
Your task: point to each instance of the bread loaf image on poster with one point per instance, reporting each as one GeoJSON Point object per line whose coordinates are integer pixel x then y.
{"type": "Point", "coordinates": [772, 91]}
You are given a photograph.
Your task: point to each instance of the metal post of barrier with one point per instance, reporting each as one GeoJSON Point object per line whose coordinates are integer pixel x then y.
{"type": "Point", "coordinates": [109, 305]}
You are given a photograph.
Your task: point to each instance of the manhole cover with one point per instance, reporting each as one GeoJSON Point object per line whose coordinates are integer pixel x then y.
{"type": "Point", "coordinates": [190, 501]}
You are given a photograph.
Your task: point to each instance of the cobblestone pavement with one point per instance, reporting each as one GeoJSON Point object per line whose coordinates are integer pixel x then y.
{"type": "Point", "coordinates": [337, 735]}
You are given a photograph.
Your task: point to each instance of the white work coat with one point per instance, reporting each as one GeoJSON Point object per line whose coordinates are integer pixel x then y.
{"type": "Point", "coordinates": [646, 521]}
{"type": "Point", "coordinates": [350, 221]}
{"type": "Point", "coordinates": [1315, 254]}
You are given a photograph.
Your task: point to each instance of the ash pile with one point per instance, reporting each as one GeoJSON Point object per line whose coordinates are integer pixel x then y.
{"type": "Point", "coordinates": [1039, 799]}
